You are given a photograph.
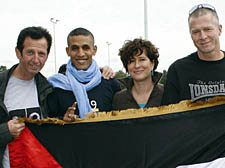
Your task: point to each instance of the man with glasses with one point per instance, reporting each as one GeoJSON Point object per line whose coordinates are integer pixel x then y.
{"type": "Point", "coordinates": [199, 75]}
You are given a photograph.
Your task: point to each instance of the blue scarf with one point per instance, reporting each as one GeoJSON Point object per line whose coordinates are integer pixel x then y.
{"type": "Point", "coordinates": [73, 81]}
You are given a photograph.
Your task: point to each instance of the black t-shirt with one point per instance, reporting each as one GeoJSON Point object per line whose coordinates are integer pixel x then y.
{"type": "Point", "coordinates": [193, 79]}
{"type": "Point", "coordinates": [99, 97]}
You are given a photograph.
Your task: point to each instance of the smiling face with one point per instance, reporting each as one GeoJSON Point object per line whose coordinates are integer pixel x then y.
{"type": "Point", "coordinates": [205, 32]}
{"type": "Point", "coordinates": [33, 57]}
{"type": "Point", "coordinates": [140, 67]}
{"type": "Point", "coordinates": [81, 49]}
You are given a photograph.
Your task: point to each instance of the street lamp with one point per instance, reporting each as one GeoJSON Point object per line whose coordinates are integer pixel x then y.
{"type": "Point", "coordinates": [54, 21]}
{"type": "Point", "coordinates": [108, 43]}
{"type": "Point", "coordinates": [146, 19]}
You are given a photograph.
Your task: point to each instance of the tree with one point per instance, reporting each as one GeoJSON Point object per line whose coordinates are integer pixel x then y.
{"type": "Point", "coordinates": [2, 68]}
{"type": "Point", "coordinates": [121, 74]}
{"type": "Point", "coordinates": [163, 78]}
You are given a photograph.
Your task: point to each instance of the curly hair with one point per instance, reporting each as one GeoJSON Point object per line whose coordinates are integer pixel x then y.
{"type": "Point", "coordinates": [138, 46]}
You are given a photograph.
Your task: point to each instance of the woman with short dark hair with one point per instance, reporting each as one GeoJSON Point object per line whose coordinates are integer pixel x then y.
{"type": "Point", "coordinates": [140, 59]}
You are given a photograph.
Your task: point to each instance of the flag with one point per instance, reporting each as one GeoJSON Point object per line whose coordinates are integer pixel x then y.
{"type": "Point", "coordinates": [187, 139]}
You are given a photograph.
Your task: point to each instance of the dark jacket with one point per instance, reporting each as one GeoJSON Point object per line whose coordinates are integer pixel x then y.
{"type": "Point", "coordinates": [100, 97]}
{"type": "Point", "coordinates": [43, 89]}
{"type": "Point", "coordinates": [125, 100]}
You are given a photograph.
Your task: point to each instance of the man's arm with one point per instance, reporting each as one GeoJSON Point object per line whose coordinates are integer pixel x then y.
{"type": "Point", "coordinates": [5, 136]}
{"type": "Point", "coordinates": [9, 130]}
{"type": "Point", "coordinates": [107, 72]}
{"type": "Point", "coordinates": [171, 93]}
{"type": "Point", "coordinates": [53, 105]}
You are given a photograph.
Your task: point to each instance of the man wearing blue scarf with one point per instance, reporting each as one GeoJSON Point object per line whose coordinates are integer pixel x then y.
{"type": "Point", "coordinates": [82, 83]}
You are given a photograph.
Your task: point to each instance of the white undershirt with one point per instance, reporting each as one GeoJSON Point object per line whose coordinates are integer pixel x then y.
{"type": "Point", "coordinates": [20, 94]}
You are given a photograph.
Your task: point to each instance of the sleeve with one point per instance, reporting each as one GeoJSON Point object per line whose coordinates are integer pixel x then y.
{"type": "Point", "coordinates": [52, 103]}
{"type": "Point", "coordinates": [171, 93]}
{"type": "Point", "coordinates": [5, 136]}
{"type": "Point", "coordinates": [115, 102]}
{"type": "Point", "coordinates": [116, 86]}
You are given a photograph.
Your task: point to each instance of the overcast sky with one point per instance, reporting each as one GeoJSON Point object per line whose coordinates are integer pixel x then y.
{"type": "Point", "coordinates": [109, 20]}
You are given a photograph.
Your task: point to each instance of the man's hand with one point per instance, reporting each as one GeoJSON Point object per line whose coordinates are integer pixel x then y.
{"type": "Point", "coordinates": [15, 128]}
{"type": "Point", "coordinates": [107, 72]}
{"type": "Point", "coordinates": [69, 115]}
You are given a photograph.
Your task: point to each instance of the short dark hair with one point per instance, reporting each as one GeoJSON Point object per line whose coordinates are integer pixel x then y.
{"type": "Point", "coordinates": [80, 31]}
{"type": "Point", "coordinates": [34, 33]}
{"type": "Point", "coordinates": [138, 46]}
{"type": "Point", "coordinates": [62, 69]}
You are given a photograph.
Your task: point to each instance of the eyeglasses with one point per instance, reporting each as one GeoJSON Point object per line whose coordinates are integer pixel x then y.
{"type": "Point", "coordinates": [205, 6]}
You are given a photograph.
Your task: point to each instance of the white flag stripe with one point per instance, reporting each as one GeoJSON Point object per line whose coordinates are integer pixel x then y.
{"type": "Point", "coordinates": [218, 163]}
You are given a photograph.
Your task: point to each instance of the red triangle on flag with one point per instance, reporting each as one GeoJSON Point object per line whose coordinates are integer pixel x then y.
{"type": "Point", "coordinates": [25, 156]}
